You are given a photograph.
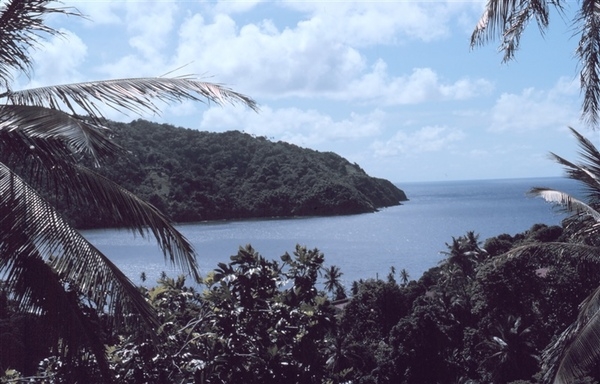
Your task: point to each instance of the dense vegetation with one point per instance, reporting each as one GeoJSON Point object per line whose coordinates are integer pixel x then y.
{"type": "Point", "coordinates": [192, 176]}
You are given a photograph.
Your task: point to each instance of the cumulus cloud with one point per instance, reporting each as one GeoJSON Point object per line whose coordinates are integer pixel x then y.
{"type": "Point", "coordinates": [150, 27]}
{"type": "Point", "coordinates": [149, 30]}
{"type": "Point", "coordinates": [294, 125]}
{"type": "Point", "coordinates": [426, 139]}
{"type": "Point", "coordinates": [311, 55]}
{"type": "Point", "coordinates": [422, 85]}
{"type": "Point", "coordinates": [536, 109]}
{"type": "Point", "coordinates": [228, 6]}
{"type": "Point", "coordinates": [381, 22]}
{"type": "Point", "coordinates": [100, 11]}
{"type": "Point", "coordinates": [265, 60]}
{"type": "Point", "coordinates": [307, 61]}
{"type": "Point", "coordinates": [58, 60]}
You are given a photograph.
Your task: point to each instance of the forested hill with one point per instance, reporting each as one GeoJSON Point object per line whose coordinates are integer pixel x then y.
{"type": "Point", "coordinates": [194, 176]}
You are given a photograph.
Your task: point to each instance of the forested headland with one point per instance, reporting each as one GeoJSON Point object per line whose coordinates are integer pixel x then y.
{"type": "Point", "coordinates": [193, 176]}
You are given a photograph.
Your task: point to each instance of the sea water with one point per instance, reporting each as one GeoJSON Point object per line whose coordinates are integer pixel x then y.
{"type": "Point", "coordinates": [410, 236]}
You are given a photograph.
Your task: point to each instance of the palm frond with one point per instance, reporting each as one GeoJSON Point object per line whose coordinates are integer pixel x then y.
{"type": "Point", "coordinates": [583, 252]}
{"type": "Point", "coordinates": [21, 28]}
{"type": "Point", "coordinates": [588, 53]}
{"type": "Point", "coordinates": [587, 149]}
{"type": "Point", "coordinates": [126, 209]}
{"type": "Point", "coordinates": [569, 203]}
{"type": "Point", "coordinates": [79, 135]}
{"type": "Point", "coordinates": [584, 174]}
{"type": "Point", "coordinates": [84, 187]}
{"type": "Point", "coordinates": [591, 160]}
{"type": "Point", "coordinates": [575, 352]}
{"type": "Point", "coordinates": [507, 19]}
{"type": "Point", "coordinates": [36, 286]}
{"type": "Point", "coordinates": [588, 171]}
{"type": "Point", "coordinates": [136, 95]}
{"type": "Point", "coordinates": [29, 222]}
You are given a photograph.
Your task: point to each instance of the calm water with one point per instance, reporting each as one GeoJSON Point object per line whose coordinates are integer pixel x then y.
{"type": "Point", "coordinates": [409, 236]}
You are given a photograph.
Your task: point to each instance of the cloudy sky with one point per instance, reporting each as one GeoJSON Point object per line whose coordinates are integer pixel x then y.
{"type": "Point", "coordinates": [390, 85]}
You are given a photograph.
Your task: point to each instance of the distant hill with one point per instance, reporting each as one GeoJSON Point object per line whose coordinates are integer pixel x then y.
{"type": "Point", "coordinates": [195, 176]}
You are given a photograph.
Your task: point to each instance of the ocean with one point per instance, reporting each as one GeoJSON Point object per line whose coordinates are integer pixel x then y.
{"type": "Point", "coordinates": [410, 236]}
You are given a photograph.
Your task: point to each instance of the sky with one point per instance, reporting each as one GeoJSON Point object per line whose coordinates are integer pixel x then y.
{"type": "Point", "coordinates": [393, 86]}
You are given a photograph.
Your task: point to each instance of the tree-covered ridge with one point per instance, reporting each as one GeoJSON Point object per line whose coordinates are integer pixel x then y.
{"type": "Point", "coordinates": [193, 176]}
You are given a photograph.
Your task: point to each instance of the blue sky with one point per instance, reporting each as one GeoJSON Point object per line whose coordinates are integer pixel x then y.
{"type": "Point", "coordinates": [390, 85]}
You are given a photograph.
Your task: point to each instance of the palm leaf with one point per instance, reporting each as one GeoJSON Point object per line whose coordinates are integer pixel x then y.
{"type": "Point", "coordinates": [35, 285]}
{"type": "Point", "coordinates": [29, 222]}
{"type": "Point", "coordinates": [588, 171]}
{"type": "Point", "coordinates": [506, 20]}
{"type": "Point", "coordinates": [54, 126]}
{"type": "Point", "coordinates": [116, 204]}
{"type": "Point", "coordinates": [135, 95]}
{"type": "Point", "coordinates": [126, 209]}
{"type": "Point", "coordinates": [588, 151]}
{"type": "Point", "coordinates": [569, 203]}
{"type": "Point", "coordinates": [576, 351]}
{"type": "Point", "coordinates": [49, 167]}
{"type": "Point", "coordinates": [21, 27]}
{"type": "Point", "coordinates": [588, 53]}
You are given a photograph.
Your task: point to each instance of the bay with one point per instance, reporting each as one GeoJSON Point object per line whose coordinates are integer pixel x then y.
{"type": "Point", "coordinates": [410, 236]}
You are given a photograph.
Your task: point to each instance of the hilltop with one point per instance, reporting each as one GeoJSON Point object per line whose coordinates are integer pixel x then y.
{"type": "Point", "coordinates": [194, 176]}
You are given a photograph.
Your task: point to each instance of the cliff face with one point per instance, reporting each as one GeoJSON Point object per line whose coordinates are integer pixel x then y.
{"type": "Point", "coordinates": [194, 176]}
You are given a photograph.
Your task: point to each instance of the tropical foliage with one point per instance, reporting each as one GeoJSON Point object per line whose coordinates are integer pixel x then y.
{"type": "Point", "coordinates": [52, 274]}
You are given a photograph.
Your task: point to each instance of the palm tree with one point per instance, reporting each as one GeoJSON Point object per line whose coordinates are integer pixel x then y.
{"type": "Point", "coordinates": [404, 277]}
{"type": "Point", "coordinates": [506, 20]}
{"type": "Point", "coordinates": [465, 254]}
{"type": "Point", "coordinates": [333, 283]}
{"type": "Point", "coordinates": [49, 267]}
{"type": "Point", "coordinates": [512, 353]}
{"type": "Point", "coordinates": [391, 278]}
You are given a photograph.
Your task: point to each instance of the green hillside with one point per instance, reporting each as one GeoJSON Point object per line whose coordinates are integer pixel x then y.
{"type": "Point", "coordinates": [194, 176]}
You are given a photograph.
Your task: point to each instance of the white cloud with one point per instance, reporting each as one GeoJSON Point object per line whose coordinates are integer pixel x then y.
{"type": "Point", "coordinates": [58, 60]}
{"type": "Point", "coordinates": [318, 55]}
{"type": "Point", "coordinates": [426, 139]}
{"type": "Point", "coordinates": [302, 127]}
{"type": "Point", "coordinates": [265, 61]}
{"type": "Point", "coordinates": [422, 85]}
{"type": "Point", "coordinates": [535, 109]}
{"type": "Point", "coordinates": [142, 32]}
{"type": "Point", "coordinates": [307, 62]}
{"type": "Point", "coordinates": [228, 6]}
{"type": "Point", "coordinates": [314, 56]}
{"type": "Point", "coordinates": [149, 26]}
{"type": "Point", "coordinates": [382, 22]}
{"type": "Point", "coordinates": [99, 11]}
